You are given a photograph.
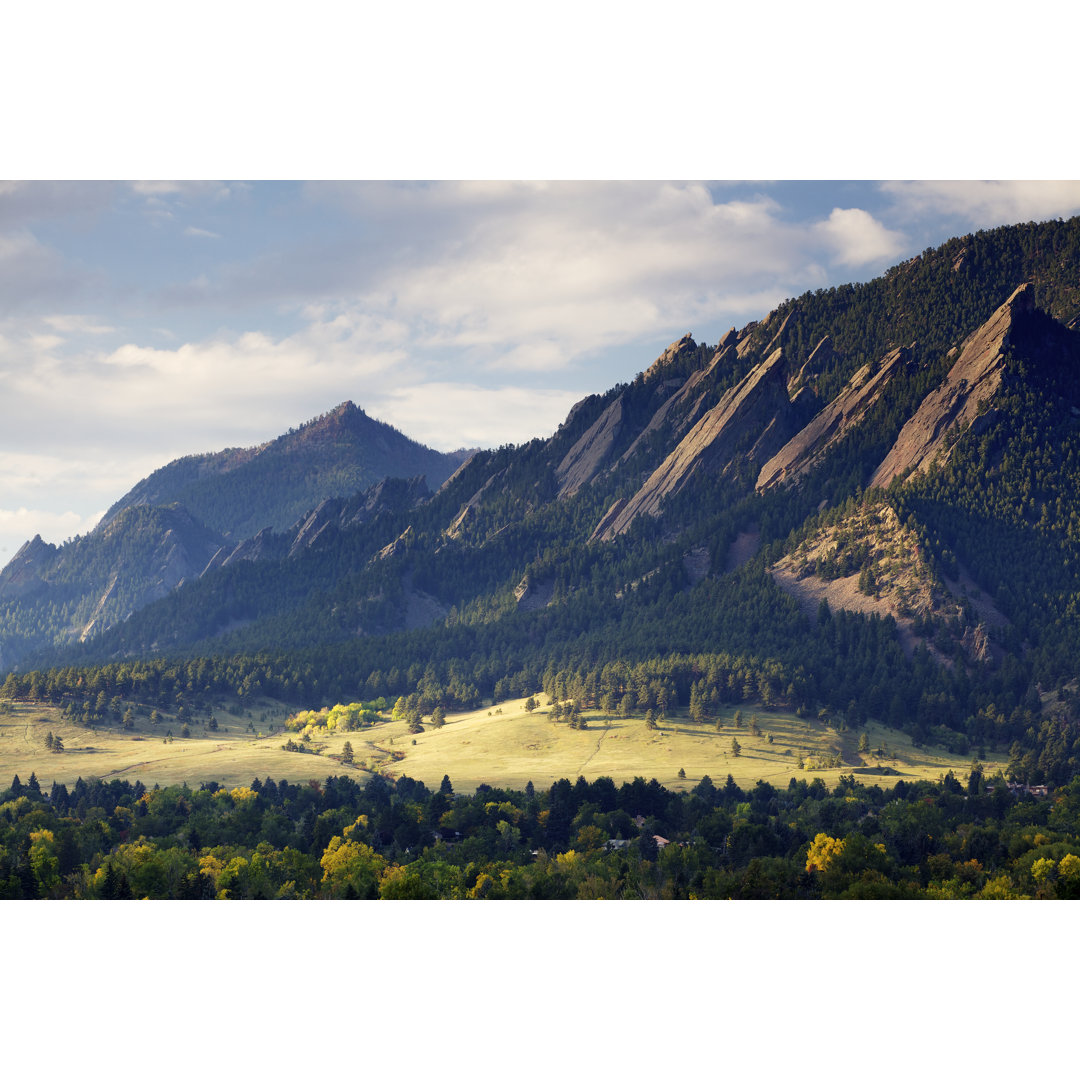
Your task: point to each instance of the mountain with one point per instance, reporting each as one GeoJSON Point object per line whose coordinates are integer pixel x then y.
{"type": "Point", "coordinates": [238, 492]}
{"type": "Point", "coordinates": [203, 512]}
{"type": "Point", "coordinates": [866, 505]}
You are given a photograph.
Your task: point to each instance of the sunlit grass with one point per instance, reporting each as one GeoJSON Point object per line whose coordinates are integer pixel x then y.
{"type": "Point", "coordinates": [501, 745]}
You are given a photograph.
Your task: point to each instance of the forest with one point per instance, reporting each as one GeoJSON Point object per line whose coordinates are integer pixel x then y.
{"type": "Point", "coordinates": [960, 837]}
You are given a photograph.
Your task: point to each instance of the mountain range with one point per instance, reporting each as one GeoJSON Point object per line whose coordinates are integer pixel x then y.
{"type": "Point", "coordinates": [868, 502]}
{"type": "Point", "coordinates": [198, 513]}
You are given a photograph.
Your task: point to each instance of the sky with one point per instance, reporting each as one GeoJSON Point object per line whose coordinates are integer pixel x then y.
{"type": "Point", "coordinates": [142, 321]}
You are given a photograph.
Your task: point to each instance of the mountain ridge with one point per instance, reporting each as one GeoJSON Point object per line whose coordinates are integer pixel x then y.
{"type": "Point", "coordinates": [611, 542]}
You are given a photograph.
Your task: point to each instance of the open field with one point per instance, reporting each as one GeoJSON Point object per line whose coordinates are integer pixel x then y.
{"type": "Point", "coordinates": [503, 746]}
{"type": "Point", "coordinates": [231, 756]}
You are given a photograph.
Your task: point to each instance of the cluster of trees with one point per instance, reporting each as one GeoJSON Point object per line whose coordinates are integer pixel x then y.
{"type": "Point", "coordinates": [337, 840]}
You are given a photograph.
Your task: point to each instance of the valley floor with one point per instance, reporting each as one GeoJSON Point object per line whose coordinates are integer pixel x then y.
{"type": "Point", "coordinates": [503, 746]}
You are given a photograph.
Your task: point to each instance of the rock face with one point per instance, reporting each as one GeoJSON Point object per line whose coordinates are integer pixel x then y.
{"type": "Point", "coordinates": [750, 420]}
{"type": "Point", "coordinates": [393, 494]}
{"type": "Point", "coordinates": [326, 515]}
{"type": "Point", "coordinates": [685, 344]}
{"type": "Point", "coordinates": [806, 449]}
{"type": "Point", "coordinates": [533, 595]}
{"type": "Point", "coordinates": [397, 547]}
{"type": "Point", "coordinates": [590, 453]}
{"type": "Point", "coordinates": [684, 408]}
{"type": "Point", "coordinates": [822, 353]}
{"type": "Point", "coordinates": [963, 398]}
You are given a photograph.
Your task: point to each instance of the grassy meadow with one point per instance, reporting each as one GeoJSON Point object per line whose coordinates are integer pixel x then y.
{"type": "Point", "coordinates": [503, 745]}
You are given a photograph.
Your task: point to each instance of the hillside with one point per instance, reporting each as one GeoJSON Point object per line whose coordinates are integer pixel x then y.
{"type": "Point", "coordinates": [907, 450]}
{"type": "Point", "coordinates": [241, 491]}
{"type": "Point", "coordinates": [198, 514]}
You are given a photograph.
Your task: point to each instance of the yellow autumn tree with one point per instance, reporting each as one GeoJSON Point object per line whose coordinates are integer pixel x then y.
{"type": "Point", "coordinates": [350, 869]}
{"type": "Point", "coordinates": [823, 851]}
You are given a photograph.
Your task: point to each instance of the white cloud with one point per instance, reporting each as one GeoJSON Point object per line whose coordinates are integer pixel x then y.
{"type": "Point", "coordinates": [158, 189]}
{"type": "Point", "coordinates": [77, 324]}
{"type": "Point", "coordinates": [18, 526]}
{"type": "Point", "coordinates": [193, 230]}
{"type": "Point", "coordinates": [199, 396]}
{"type": "Point", "coordinates": [517, 271]}
{"type": "Point", "coordinates": [857, 238]}
{"type": "Point", "coordinates": [987, 203]}
{"type": "Point", "coordinates": [449, 416]}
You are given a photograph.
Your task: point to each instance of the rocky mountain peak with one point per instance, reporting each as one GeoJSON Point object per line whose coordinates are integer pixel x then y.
{"type": "Point", "coordinates": [963, 400]}
{"type": "Point", "coordinates": [685, 344]}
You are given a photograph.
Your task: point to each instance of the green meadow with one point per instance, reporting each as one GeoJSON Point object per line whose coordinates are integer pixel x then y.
{"type": "Point", "coordinates": [503, 745]}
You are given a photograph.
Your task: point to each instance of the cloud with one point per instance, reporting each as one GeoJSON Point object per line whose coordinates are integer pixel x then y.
{"type": "Point", "coordinates": [77, 324]}
{"type": "Point", "coordinates": [512, 272]}
{"type": "Point", "coordinates": [986, 203]}
{"type": "Point", "coordinates": [449, 416]}
{"type": "Point", "coordinates": [202, 189]}
{"type": "Point", "coordinates": [32, 274]}
{"type": "Point", "coordinates": [23, 202]}
{"type": "Point", "coordinates": [857, 238]}
{"type": "Point", "coordinates": [192, 230]}
{"type": "Point", "coordinates": [18, 526]}
{"type": "Point", "coordinates": [194, 397]}
{"type": "Point", "coordinates": [28, 523]}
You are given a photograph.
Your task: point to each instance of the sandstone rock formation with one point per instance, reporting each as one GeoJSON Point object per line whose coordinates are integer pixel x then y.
{"type": "Point", "coordinates": [819, 356]}
{"type": "Point", "coordinates": [749, 419]}
{"type": "Point", "coordinates": [809, 446]}
{"type": "Point", "coordinates": [590, 453]}
{"type": "Point", "coordinates": [963, 399]}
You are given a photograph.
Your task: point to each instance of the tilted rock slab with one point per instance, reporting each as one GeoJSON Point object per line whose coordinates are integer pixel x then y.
{"type": "Point", "coordinates": [972, 381]}
{"type": "Point", "coordinates": [590, 453]}
{"type": "Point", "coordinates": [806, 450]}
{"type": "Point", "coordinates": [755, 408]}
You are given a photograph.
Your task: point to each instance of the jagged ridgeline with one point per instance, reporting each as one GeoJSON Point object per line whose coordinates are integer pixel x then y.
{"type": "Point", "coordinates": [872, 493]}
{"type": "Point", "coordinates": [199, 513]}
{"type": "Point", "coordinates": [241, 491]}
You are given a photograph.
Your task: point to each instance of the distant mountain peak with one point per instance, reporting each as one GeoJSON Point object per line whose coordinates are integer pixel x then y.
{"type": "Point", "coordinates": [238, 492]}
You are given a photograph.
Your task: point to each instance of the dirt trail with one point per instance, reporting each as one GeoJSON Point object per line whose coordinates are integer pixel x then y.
{"type": "Point", "coordinates": [133, 765]}
{"type": "Point", "coordinates": [607, 728]}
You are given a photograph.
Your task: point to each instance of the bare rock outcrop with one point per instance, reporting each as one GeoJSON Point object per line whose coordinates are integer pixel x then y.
{"type": "Point", "coordinates": [749, 419]}
{"type": "Point", "coordinates": [324, 517]}
{"type": "Point", "coordinates": [611, 515]}
{"type": "Point", "coordinates": [964, 397]}
{"type": "Point", "coordinates": [398, 546]}
{"type": "Point", "coordinates": [683, 409]}
{"type": "Point", "coordinates": [469, 509]}
{"type": "Point", "coordinates": [589, 454]}
{"type": "Point", "coordinates": [392, 494]}
{"type": "Point", "coordinates": [532, 595]}
{"type": "Point", "coordinates": [806, 449]}
{"type": "Point", "coordinates": [819, 356]}
{"type": "Point", "coordinates": [685, 344]}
